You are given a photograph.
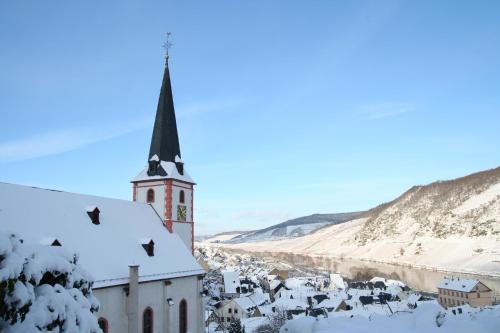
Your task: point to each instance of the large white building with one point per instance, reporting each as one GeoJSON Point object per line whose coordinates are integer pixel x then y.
{"type": "Point", "coordinates": [139, 252]}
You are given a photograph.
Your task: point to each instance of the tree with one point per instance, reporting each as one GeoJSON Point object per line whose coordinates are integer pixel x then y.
{"type": "Point", "coordinates": [43, 289]}
{"type": "Point", "coordinates": [235, 326]}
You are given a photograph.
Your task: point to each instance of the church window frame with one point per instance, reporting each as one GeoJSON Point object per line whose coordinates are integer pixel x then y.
{"type": "Point", "coordinates": [103, 324]}
{"type": "Point", "coordinates": [182, 197]}
{"type": "Point", "coordinates": [150, 196]}
{"type": "Point", "coordinates": [147, 320]}
{"type": "Point", "coordinates": [183, 316]}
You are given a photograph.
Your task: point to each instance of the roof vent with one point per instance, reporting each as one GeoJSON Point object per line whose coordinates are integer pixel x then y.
{"type": "Point", "coordinates": [149, 246]}
{"type": "Point", "coordinates": [93, 213]}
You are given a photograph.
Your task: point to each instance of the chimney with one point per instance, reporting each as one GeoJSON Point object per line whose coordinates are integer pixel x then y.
{"type": "Point", "coordinates": [133, 299]}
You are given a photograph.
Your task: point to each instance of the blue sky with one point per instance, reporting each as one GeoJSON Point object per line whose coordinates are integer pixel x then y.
{"type": "Point", "coordinates": [284, 108]}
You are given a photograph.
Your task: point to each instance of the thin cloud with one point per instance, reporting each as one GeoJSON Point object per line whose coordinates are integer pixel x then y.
{"type": "Point", "coordinates": [385, 110]}
{"type": "Point", "coordinates": [63, 140]}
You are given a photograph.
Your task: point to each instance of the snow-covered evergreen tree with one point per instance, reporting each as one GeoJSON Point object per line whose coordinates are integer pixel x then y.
{"type": "Point", "coordinates": [236, 327]}
{"type": "Point", "coordinates": [43, 289]}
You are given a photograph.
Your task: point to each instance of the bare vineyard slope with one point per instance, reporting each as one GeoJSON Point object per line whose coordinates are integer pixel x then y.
{"type": "Point", "coordinates": [467, 206]}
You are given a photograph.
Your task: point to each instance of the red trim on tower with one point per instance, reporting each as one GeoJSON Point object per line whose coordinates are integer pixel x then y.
{"type": "Point", "coordinates": [168, 205]}
{"type": "Point", "coordinates": [134, 195]}
{"type": "Point", "coordinates": [192, 219]}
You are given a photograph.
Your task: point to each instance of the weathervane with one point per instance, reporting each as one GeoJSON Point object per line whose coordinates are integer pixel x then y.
{"type": "Point", "coordinates": [167, 45]}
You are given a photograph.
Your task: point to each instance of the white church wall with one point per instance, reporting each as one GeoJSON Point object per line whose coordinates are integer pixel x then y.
{"type": "Point", "coordinates": [184, 230]}
{"type": "Point", "coordinates": [188, 196]}
{"type": "Point", "coordinates": [154, 295]}
{"type": "Point", "coordinates": [159, 188]}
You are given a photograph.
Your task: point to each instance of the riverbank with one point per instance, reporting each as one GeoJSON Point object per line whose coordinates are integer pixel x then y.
{"type": "Point", "coordinates": [421, 277]}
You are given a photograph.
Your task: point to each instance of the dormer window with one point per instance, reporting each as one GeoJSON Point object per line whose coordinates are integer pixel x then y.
{"type": "Point", "coordinates": [179, 165]}
{"type": "Point", "coordinates": [149, 246]}
{"type": "Point", "coordinates": [182, 198]}
{"type": "Point", "coordinates": [93, 213]}
{"type": "Point", "coordinates": [150, 196]}
{"type": "Point", "coordinates": [153, 165]}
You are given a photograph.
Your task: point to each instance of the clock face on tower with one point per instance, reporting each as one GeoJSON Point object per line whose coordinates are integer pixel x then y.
{"type": "Point", "coordinates": [181, 213]}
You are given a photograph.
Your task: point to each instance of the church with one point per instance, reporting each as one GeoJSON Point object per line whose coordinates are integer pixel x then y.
{"type": "Point", "coordinates": [139, 252]}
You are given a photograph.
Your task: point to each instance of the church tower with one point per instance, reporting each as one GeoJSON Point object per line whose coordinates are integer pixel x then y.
{"type": "Point", "coordinates": [164, 183]}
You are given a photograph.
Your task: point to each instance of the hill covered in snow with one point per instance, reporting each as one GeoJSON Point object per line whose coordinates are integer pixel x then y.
{"type": "Point", "coordinates": [450, 225]}
{"type": "Point", "coordinates": [294, 228]}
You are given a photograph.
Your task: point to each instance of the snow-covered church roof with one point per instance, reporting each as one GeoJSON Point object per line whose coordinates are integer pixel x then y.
{"type": "Point", "coordinates": [168, 171]}
{"type": "Point", "coordinates": [105, 249]}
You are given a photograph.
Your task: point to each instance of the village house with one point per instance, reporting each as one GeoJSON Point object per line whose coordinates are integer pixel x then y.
{"type": "Point", "coordinates": [232, 285]}
{"type": "Point", "coordinates": [458, 291]}
{"type": "Point", "coordinates": [332, 305]}
{"type": "Point", "coordinates": [238, 308]}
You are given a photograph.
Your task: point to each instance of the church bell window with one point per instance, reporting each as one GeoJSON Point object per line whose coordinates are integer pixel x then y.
{"type": "Point", "coordinates": [150, 196]}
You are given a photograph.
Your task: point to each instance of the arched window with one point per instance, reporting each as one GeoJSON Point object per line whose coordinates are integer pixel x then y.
{"type": "Point", "coordinates": [150, 196]}
{"type": "Point", "coordinates": [183, 317]}
{"type": "Point", "coordinates": [182, 198]}
{"type": "Point", "coordinates": [147, 321]}
{"type": "Point", "coordinates": [103, 324]}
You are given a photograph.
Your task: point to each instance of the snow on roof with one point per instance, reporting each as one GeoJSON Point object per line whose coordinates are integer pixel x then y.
{"type": "Point", "coordinates": [146, 240]}
{"type": "Point", "coordinates": [413, 298]}
{"type": "Point", "coordinates": [458, 284]}
{"type": "Point", "coordinates": [329, 303]}
{"type": "Point", "coordinates": [154, 158]}
{"type": "Point", "coordinates": [259, 298]}
{"type": "Point", "coordinates": [294, 283]}
{"type": "Point", "coordinates": [177, 159]}
{"type": "Point", "coordinates": [48, 241]}
{"type": "Point", "coordinates": [231, 281]}
{"type": "Point", "coordinates": [244, 303]}
{"type": "Point", "coordinates": [337, 281]}
{"type": "Point", "coordinates": [90, 209]}
{"type": "Point", "coordinates": [395, 282]}
{"type": "Point", "coordinates": [251, 324]}
{"type": "Point", "coordinates": [105, 250]}
{"type": "Point", "coordinates": [274, 284]}
{"type": "Point", "coordinates": [290, 304]}
{"type": "Point", "coordinates": [172, 173]}
{"type": "Point", "coordinates": [377, 279]}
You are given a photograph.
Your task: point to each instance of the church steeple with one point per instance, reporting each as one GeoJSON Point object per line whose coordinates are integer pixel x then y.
{"type": "Point", "coordinates": [165, 140]}
{"type": "Point", "coordinates": [164, 183]}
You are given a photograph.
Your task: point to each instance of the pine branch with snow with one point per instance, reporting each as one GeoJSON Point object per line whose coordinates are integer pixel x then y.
{"type": "Point", "coordinates": [43, 289]}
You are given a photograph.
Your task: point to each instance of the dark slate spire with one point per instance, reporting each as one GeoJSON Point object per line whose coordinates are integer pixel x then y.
{"type": "Point", "coordinates": [165, 141]}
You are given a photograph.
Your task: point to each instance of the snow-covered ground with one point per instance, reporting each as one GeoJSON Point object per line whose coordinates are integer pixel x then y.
{"type": "Point", "coordinates": [428, 317]}
{"type": "Point", "coordinates": [399, 314]}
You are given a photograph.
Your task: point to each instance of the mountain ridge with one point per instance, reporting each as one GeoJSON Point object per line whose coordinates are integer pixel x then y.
{"type": "Point", "coordinates": [447, 225]}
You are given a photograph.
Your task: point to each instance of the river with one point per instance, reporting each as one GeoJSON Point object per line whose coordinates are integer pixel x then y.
{"type": "Point", "coordinates": [418, 279]}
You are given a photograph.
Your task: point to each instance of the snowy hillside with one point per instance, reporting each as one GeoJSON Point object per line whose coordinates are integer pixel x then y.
{"type": "Point", "coordinates": [222, 237]}
{"type": "Point", "coordinates": [294, 228]}
{"type": "Point", "coordinates": [450, 225]}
